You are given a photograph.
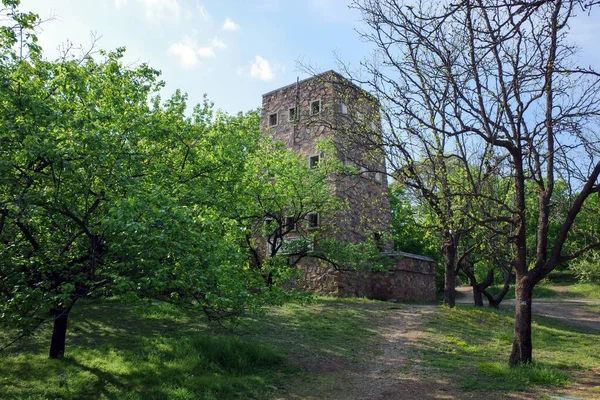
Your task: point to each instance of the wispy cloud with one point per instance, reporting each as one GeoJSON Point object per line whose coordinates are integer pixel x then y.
{"type": "Point", "coordinates": [120, 3]}
{"type": "Point", "coordinates": [207, 52]}
{"type": "Point", "coordinates": [187, 53]}
{"type": "Point", "coordinates": [261, 69]}
{"type": "Point", "coordinates": [202, 12]}
{"type": "Point", "coordinates": [218, 43]}
{"type": "Point", "coordinates": [230, 25]}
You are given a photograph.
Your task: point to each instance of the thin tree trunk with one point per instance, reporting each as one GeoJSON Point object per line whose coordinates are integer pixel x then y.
{"type": "Point", "coordinates": [449, 273]}
{"type": "Point", "coordinates": [522, 348]}
{"type": "Point", "coordinates": [59, 332]}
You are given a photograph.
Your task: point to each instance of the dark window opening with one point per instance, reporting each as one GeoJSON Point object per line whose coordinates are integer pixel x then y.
{"type": "Point", "coordinates": [313, 221]}
{"type": "Point", "coordinates": [290, 223]}
{"type": "Point", "coordinates": [293, 114]}
{"type": "Point", "coordinates": [315, 107]}
{"type": "Point", "coordinates": [313, 161]}
{"type": "Point", "coordinates": [272, 119]}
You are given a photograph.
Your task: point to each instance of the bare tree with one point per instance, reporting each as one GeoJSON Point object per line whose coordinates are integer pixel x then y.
{"type": "Point", "coordinates": [497, 78]}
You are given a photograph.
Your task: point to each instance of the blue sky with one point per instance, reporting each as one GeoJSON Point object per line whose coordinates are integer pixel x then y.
{"type": "Point", "coordinates": [232, 50]}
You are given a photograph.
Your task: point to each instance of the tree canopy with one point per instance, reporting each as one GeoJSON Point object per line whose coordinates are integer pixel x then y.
{"type": "Point", "coordinates": [106, 189]}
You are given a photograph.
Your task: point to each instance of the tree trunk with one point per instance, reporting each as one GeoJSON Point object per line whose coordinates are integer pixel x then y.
{"type": "Point", "coordinates": [477, 296]}
{"type": "Point", "coordinates": [477, 291]}
{"type": "Point", "coordinates": [59, 332]}
{"type": "Point", "coordinates": [522, 348]}
{"type": "Point", "coordinates": [494, 302]}
{"type": "Point", "coordinates": [449, 273]}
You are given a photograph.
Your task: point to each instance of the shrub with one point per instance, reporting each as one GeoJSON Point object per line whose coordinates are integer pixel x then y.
{"type": "Point", "coordinates": [587, 269]}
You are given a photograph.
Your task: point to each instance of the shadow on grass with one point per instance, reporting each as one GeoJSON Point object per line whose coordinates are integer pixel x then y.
{"type": "Point", "coordinates": [127, 351]}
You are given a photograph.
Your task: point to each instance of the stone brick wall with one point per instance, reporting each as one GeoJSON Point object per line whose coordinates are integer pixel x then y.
{"type": "Point", "coordinates": [408, 277]}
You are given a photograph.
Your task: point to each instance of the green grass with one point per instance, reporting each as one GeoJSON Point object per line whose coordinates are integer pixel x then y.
{"type": "Point", "coordinates": [118, 350]}
{"type": "Point", "coordinates": [558, 291]}
{"type": "Point", "coordinates": [474, 345]}
{"type": "Point", "coordinates": [581, 291]}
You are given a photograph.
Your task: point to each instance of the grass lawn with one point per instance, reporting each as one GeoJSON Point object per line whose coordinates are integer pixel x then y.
{"type": "Point", "coordinates": [118, 350]}
{"type": "Point", "coordinates": [121, 350]}
{"type": "Point", "coordinates": [473, 345]}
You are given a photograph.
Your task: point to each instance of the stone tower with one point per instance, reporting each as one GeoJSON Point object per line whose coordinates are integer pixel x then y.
{"type": "Point", "coordinates": [329, 107]}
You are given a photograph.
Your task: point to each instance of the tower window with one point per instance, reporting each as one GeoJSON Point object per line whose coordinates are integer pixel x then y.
{"type": "Point", "coordinates": [293, 114]}
{"type": "Point", "coordinates": [290, 223]}
{"type": "Point", "coordinates": [344, 108]}
{"type": "Point", "coordinates": [315, 107]}
{"type": "Point", "coordinates": [313, 221]}
{"type": "Point", "coordinates": [273, 119]}
{"type": "Point", "coordinates": [313, 161]}
{"type": "Point", "coordinates": [268, 228]}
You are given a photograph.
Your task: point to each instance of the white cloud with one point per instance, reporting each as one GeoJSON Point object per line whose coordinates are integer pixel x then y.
{"type": "Point", "coordinates": [218, 43]}
{"type": "Point", "coordinates": [229, 25]}
{"type": "Point", "coordinates": [202, 12]}
{"type": "Point", "coordinates": [156, 9]}
{"type": "Point", "coordinates": [120, 3]}
{"type": "Point", "coordinates": [261, 69]}
{"type": "Point", "coordinates": [187, 52]}
{"type": "Point", "coordinates": [207, 52]}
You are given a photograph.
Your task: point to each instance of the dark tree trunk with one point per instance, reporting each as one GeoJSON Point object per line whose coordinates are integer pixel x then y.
{"type": "Point", "coordinates": [479, 289]}
{"type": "Point", "coordinates": [449, 273]}
{"type": "Point", "coordinates": [494, 302]}
{"type": "Point", "coordinates": [477, 296]}
{"type": "Point", "coordinates": [59, 332]}
{"type": "Point", "coordinates": [522, 349]}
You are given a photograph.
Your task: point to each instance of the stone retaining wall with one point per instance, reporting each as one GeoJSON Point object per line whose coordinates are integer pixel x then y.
{"type": "Point", "coordinates": [408, 277]}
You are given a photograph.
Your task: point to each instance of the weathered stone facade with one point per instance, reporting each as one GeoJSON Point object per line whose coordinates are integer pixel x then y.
{"type": "Point", "coordinates": [328, 106]}
{"type": "Point", "coordinates": [407, 277]}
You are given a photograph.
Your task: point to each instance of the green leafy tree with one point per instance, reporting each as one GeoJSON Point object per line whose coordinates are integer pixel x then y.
{"type": "Point", "coordinates": [105, 189]}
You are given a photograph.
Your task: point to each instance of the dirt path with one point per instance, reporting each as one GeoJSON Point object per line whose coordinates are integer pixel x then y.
{"type": "Point", "coordinates": [391, 375]}
{"type": "Point", "coordinates": [399, 373]}
{"type": "Point", "coordinates": [397, 370]}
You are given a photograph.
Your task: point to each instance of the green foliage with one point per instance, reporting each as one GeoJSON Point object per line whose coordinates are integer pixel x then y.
{"type": "Point", "coordinates": [105, 190]}
{"type": "Point", "coordinates": [408, 235]}
{"type": "Point", "coordinates": [409, 231]}
{"type": "Point", "coordinates": [587, 269]}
